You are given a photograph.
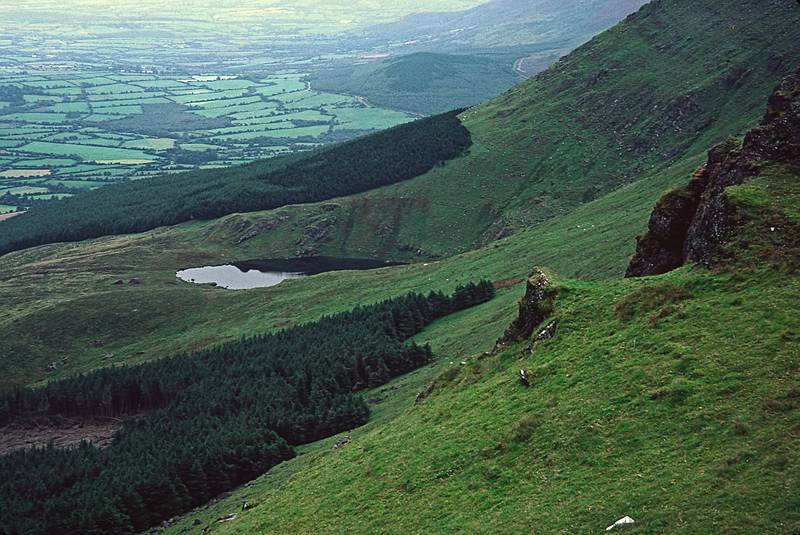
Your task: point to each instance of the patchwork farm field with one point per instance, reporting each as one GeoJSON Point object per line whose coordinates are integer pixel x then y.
{"type": "Point", "coordinates": [62, 132]}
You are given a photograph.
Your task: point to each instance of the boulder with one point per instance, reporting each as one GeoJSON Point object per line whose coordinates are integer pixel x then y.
{"type": "Point", "coordinates": [523, 378]}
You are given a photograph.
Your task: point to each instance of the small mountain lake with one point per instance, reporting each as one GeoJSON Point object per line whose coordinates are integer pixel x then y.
{"type": "Point", "coordinates": [271, 272]}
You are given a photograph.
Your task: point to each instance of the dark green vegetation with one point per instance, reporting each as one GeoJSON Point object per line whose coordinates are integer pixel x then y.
{"type": "Point", "coordinates": [214, 419]}
{"type": "Point", "coordinates": [312, 265]}
{"type": "Point", "coordinates": [391, 156]}
{"type": "Point", "coordinates": [425, 82]}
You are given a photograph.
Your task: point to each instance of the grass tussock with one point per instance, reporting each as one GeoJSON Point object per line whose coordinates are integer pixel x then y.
{"type": "Point", "coordinates": [524, 428]}
{"type": "Point", "coordinates": [662, 297]}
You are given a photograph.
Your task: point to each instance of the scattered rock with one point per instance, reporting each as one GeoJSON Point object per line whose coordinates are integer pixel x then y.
{"type": "Point", "coordinates": [135, 281]}
{"type": "Point", "coordinates": [96, 343]}
{"type": "Point", "coordinates": [108, 356]}
{"type": "Point", "coordinates": [548, 332]}
{"type": "Point", "coordinates": [118, 282]}
{"type": "Point", "coordinates": [622, 522]}
{"type": "Point", "coordinates": [313, 234]}
{"type": "Point", "coordinates": [342, 442]}
{"type": "Point", "coordinates": [227, 518]}
{"type": "Point", "coordinates": [197, 522]}
{"type": "Point", "coordinates": [425, 393]}
{"type": "Point", "coordinates": [248, 230]}
{"type": "Point", "coordinates": [52, 366]}
{"type": "Point", "coordinates": [523, 378]}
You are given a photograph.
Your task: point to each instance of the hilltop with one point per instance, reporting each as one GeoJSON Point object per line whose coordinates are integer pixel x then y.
{"type": "Point", "coordinates": [549, 24]}
{"type": "Point", "coordinates": [441, 60]}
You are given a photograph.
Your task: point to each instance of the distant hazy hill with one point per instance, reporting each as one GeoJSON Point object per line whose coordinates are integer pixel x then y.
{"type": "Point", "coordinates": [506, 23]}
{"type": "Point", "coordinates": [472, 55]}
{"type": "Point", "coordinates": [424, 82]}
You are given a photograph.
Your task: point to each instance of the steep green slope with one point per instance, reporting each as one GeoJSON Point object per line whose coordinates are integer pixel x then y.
{"type": "Point", "coordinates": [673, 399]}
{"type": "Point", "coordinates": [680, 423]}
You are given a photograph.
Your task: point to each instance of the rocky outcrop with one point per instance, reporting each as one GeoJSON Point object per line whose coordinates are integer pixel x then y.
{"type": "Point", "coordinates": [661, 249]}
{"type": "Point", "coordinates": [246, 229]}
{"type": "Point", "coordinates": [534, 307]}
{"type": "Point", "coordinates": [690, 224]}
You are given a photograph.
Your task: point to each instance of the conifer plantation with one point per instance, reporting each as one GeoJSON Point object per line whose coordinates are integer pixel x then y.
{"type": "Point", "coordinates": [387, 157]}
{"type": "Point", "coordinates": [199, 424]}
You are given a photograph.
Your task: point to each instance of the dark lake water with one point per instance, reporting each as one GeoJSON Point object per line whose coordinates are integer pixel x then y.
{"type": "Point", "coordinates": [271, 272]}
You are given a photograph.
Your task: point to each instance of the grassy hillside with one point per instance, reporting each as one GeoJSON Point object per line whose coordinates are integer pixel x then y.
{"type": "Point", "coordinates": [533, 154]}
{"type": "Point", "coordinates": [48, 285]}
{"type": "Point", "coordinates": [672, 399]}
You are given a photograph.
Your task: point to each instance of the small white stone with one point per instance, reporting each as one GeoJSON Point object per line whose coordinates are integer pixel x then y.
{"type": "Point", "coordinates": [624, 521]}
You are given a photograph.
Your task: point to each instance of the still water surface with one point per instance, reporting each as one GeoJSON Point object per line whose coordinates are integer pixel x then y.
{"type": "Point", "coordinates": [270, 272]}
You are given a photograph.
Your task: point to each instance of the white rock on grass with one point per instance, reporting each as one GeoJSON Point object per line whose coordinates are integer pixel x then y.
{"type": "Point", "coordinates": [624, 521]}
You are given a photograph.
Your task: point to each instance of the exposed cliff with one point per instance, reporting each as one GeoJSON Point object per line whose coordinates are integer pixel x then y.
{"type": "Point", "coordinates": [689, 224]}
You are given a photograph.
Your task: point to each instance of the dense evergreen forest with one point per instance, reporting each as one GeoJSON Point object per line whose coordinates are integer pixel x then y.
{"type": "Point", "coordinates": [198, 424]}
{"type": "Point", "coordinates": [391, 156]}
